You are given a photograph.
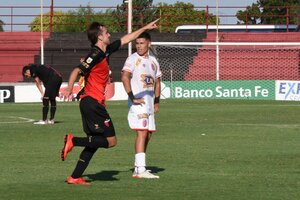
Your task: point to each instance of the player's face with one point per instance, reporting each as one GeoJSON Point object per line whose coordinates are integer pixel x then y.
{"type": "Point", "coordinates": [104, 37]}
{"type": "Point", "coordinates": [27, 73]}
{"type": "Point", "coordinates": [142, 46]}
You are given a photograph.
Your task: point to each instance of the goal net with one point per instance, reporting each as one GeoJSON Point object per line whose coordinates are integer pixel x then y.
{"type": "Point", "coordinates": [265, 68]}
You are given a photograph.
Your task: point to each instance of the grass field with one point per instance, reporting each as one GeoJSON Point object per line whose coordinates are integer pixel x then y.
{"type": "Point", "coordinates": [202, 150]}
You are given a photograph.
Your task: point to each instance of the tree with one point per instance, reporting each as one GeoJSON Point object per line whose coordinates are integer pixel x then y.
{"type": "Point", "coordinates": [270, 12]}
{"type": "Point", "coordinates": [78, 20]}
{"type": "Point", "coordinates": [116, 19]}
{"type": "Point", "coordinates": [1, 26]}
{"type": "Point", "coordinates": [74, 20]}
{"type": "Point", "coordinates": [182, 13]}
{"type": "Point", "coordinates": [58, 19]}
{"type": "Point", "coordinates": [143, 13]}
{"type": "Point", "coordinates": [275, 11]}
{"type": "Point", "coordinates": [251, 15]}
{"type": "Point", "coordinates": [109, 19]}
{"type": "Point", "coordinates": [81, 18]}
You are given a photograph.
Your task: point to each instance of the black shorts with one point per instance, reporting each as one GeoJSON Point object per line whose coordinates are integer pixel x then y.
{"type": "Point", "coordinates": [95, 118]}
{"type": "Point", "coordinates": [52, 87]}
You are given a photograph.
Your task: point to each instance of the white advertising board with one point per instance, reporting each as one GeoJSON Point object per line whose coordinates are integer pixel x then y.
{"type": "Point", "coordinates": [287, 90]}
{"type": "Point", "coordinates": [28, 92]}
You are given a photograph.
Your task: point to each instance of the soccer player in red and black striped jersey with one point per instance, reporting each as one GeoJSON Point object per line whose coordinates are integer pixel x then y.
{"type": "Point", "coordinates": [96, 121]}
{"type": "Point", "coordinates": [51, 80]}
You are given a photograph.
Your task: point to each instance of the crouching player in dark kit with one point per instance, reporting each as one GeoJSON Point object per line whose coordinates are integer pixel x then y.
{"type": "Point", "coordinates": [51, 80]}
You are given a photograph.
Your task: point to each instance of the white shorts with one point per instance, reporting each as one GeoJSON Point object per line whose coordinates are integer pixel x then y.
{"type": "Point", "coordinates": [141, 122]}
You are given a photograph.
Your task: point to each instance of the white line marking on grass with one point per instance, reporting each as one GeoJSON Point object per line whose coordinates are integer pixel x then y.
{"type": "Point", "coordinates": [24, 120]}
{"type": "Point", "coordinates": [267, 105]}
{"type": "Point", "coordinates": [265, 125]}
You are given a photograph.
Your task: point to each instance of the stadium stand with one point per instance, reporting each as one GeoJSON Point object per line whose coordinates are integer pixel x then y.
{"type": "Point", "coordinates": [16, 50]}
{"type": "Point", "coordinates": [248, 62]}
{"type": "Point", "coordinates": [64, 50]}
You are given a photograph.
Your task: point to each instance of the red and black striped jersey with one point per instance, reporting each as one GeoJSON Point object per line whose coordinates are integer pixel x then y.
{"type": "Point", "coordinates": [95, 69]}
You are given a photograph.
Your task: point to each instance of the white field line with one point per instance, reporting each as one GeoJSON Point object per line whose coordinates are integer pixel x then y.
{"type": "Point", "coordinates": [201, 123]}
{"type": "Point", "coordinates": [264, 125]}
{"type": "Point", "coordinates": [18, 120]}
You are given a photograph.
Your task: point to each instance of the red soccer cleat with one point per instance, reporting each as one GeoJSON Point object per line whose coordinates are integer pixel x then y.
{"type": "Point", "coordinates": [67, 146]}
{"type": "Point", "coordinates": [77, 181]}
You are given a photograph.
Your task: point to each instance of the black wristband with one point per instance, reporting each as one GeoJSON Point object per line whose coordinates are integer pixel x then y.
{"type": "Point", "coordinates": [131, 96]}
{"type": "Point", "coordinates": [156, 99]}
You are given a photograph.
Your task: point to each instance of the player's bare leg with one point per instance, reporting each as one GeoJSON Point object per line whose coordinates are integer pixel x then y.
{"type": "Point", "coordinates": [141, 142]}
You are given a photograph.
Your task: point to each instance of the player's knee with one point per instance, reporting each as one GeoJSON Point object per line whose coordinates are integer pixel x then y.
{"type": "Point", "coordinates": [45, 102]}
{"type": "Point", "coordinates": [112, 141]}
{"type": "Point", "coordinates": [53, 102]}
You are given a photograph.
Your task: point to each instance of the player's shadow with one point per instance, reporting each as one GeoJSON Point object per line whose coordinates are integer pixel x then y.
{"type": "Point", "coordinates": [110, 175]}
{"type": "Point", "coordinates": [103, 176]}
{"type": "Point", "coordinates": [153, 169]}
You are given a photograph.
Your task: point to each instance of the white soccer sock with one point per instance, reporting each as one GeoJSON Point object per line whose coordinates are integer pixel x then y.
{"type": "Point", "coordinates": [140, 162]}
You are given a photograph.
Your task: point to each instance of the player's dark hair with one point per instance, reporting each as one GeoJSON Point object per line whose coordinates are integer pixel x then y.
{"type": "Point", "coordinates": [27, 67]}
{"type": "Point", "coordinates": [94, 31]}
{"type": "Point", "coordinates": [145, 35]}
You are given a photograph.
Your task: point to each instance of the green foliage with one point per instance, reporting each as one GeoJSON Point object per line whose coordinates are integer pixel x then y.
{"type": "Point", "coordinates": [58, 20]}
{"type": "Point", "coordinates": [182, 13]}
{"type": "Point", "coordinates": [251, 15]}
{"type": "Point", "coordinates": [1, 26]}
{"type": "Point", "coordinates": [270, 12]}
{"type": "Point", "coordinates": [108, 18]}
{"type": "Point", "coordinates": [142, 14]}
{"type": "Point", "coordinates": [79, 19]}
{"type": "Point", "coordinates": [272, 15]}
{"type": "Point", "coordinates": [73, 21]}
{"type": "Point", "coordinates": [82, 17]}
{"type": "Point", "coordinates": [116, 19]}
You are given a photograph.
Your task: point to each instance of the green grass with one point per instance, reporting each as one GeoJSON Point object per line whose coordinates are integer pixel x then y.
{"type": "Point", "coordinates": [202, 150]}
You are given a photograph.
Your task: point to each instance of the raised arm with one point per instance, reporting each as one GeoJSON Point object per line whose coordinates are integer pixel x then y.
{"type": "Point", "coordinates": [132, 36]}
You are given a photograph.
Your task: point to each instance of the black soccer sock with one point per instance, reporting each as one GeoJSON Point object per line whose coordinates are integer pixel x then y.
{"type": "Point", "coordinates": [84, 159]}
{"type": "Point", "coordinates": [52, 109]}
{"type": "Point", "coordinates": [94, 142]}
{"type": "Point", "coordinates": [45, 108]}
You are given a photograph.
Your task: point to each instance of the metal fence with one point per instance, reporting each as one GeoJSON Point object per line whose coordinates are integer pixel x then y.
{"type": "Point", "coordinates": [18, 18]}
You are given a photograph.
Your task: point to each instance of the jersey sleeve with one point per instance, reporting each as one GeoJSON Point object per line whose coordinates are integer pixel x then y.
{"type": "Point", "coordinates": [114, 46]}
{"type": "Point", "coordinates": [129, 64]}
{"type": "Point", "coordinates": [158, 73]}
{"type": "Point", "coordinates": [94, 57]}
